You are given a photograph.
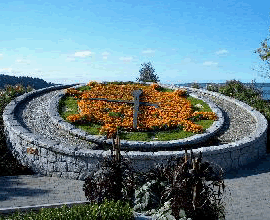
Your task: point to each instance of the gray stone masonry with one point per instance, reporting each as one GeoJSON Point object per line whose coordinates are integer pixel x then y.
{"type": "Point", "coordinates": [53, 157]}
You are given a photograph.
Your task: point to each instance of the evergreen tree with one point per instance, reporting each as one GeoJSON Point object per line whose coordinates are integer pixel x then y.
{"type": "Point", "coordinates": [147, 73]}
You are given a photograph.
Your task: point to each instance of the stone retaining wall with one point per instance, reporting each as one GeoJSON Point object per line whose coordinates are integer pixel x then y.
{"type": "Point", "coordinates": [53, 158]}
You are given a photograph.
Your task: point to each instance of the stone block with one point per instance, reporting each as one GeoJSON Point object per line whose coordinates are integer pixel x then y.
{"type": "Point", "coordinates": [71, 167]}
{"type": "Point", "coordinates": [73, 175]}
{"type": "Point", "coordinates": [51, 156]}
{"type": "Point", "coordinates": [60, 166]}
{"type": "Point", "coordinates": [50, 167]}
{"type": "Point", "coordinates": [56, 174]}
{"type": "Point", "coordinates": [83, 175]}
{"type": "Point", "coordinates": [246, 150]}
{"type": "Point", "coordinates": [59, 157]}
{"type": "Point", "coordinates": [261, 150]}
{"type": "Point", "coordinates": [235, 154]}
{"type": "Point", "coordinates": [36, 166]}
{"type": "Point", "coordinates": [82, 165]}
{"type": "Point", "coordinates": [70, 160]}
{"type": "Point", "coordinates": [235, 163]}
{"type": "Point", "coordinates": [44, 163]}
{"type": "Point", "coordinates": [43, 152]}
{"type": "Point", "coordinates": [244, 159]}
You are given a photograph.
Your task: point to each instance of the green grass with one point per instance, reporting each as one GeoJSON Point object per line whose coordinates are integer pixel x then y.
{"type": "Point", "coordinates": [108, 210]}
{"type": "Point", "coordinates": [68, 106]}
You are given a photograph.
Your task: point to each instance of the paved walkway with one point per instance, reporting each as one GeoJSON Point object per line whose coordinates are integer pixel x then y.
{"type": "Point", "coordinates": [249, 188]}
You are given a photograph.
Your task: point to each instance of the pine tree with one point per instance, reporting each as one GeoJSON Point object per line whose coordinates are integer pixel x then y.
{"type": "Point", "coordinates": [147, 73]}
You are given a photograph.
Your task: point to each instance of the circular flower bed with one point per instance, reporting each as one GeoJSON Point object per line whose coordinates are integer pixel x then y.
{"type": "Point", "coordinates": [173, 111]}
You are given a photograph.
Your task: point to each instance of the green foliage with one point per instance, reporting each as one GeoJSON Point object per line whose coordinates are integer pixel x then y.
{"type": "Point", "coordinates": [181, 188]}
{"type": "Point", "coordinates": [147, 73]}
{"type": "Point", "coordinates": [248, 94]}
{"type": "Point", "coordinates": [114, 180]}
{"type": "Point", "coordinates": [264, 54]}
{"type": "Point", "coordinates": [108, 210]}
{"type": "Point", "coordinates": [205, 107]}
{"type": "Point", "coordinates": [8, 164]}
{"type": "Point", "coordinates": [162, 89]}
{"type": "Point", "coordinates": [116, 114]}
{"type": "Point", "coordinates": [195, 85]}
{"type": "Point", "coordinates": [67, 106]}
{"type": "Point", "coordinates": [212, 87]}
{"type": "Point", "coordinates": [186, 185]}
{"type": "Point", "coordinates": [84, 88]}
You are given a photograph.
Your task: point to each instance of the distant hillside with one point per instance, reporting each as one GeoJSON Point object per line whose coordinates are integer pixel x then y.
{"type": "Point", "coordinates": [35, 83]}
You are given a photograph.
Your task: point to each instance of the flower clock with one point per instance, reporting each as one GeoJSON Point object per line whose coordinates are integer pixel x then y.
{"type": "Point", "coordinates": [135, 107]}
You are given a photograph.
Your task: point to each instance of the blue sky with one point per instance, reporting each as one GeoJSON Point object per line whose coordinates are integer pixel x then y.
{"type": "Point", "coordinates": [186, 41]}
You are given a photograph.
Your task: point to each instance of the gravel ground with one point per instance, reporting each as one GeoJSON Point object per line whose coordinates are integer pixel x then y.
{"type": "Point", "coordinates": [238, 123]}
{"type": "Point", "coordinates": [35, 117]}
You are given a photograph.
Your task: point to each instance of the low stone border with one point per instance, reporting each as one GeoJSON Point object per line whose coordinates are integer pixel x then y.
{"type": "Point", "coordinates": [56, 159]}
{"type": "Point", "coordinates": [138, 145]}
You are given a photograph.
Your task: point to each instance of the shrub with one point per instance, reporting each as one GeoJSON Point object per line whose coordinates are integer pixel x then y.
{"type": "Point", "coordinates": [114, 179]}
{"type": "Point", "coordinates": [238, 90]}
{"type": "Point", "coordinates": [186, 186]}
{"type": "Point", "coordinates": [195, 85]}
{"type": "Point", "coordinates": [212, 87]}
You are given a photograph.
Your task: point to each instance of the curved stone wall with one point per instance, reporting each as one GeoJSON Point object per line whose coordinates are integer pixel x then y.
{"type": "Point", "coordinates": [54, 158]}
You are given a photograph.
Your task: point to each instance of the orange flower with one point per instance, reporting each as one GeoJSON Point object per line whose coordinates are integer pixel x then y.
{"type": "Point", "coordinates": [173, 109]}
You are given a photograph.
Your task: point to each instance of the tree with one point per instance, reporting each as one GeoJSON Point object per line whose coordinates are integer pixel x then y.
{"type": "Point", "coordinates": [264, 54]}
{"type": "Point", "coordinates": [147, 73]}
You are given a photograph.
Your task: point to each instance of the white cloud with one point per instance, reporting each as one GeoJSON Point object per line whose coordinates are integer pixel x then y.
{"type": "Point", "coordinates": [126, 59]}
{"type": "Point", "coordinates": [70, 59]}
{"type": "Point", "coordinates": [210, 63]}
{"type": "Point", "coordinates": [85, 53]}
{"type": "Point", "coordinates": [105, 55]}
{"type": "Point", "coordinates": [222, 52]}
{"type": "Point", "coordinates": [23, 61]}
{"type": "Point", "coordinates": [148, 51]}
{"type": "Point", "coordinates": [1, 56]}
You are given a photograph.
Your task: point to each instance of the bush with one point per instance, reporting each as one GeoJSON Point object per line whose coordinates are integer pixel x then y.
{"type": "Point", "coordinates": [212, 87]}
{"type": "Point", "coordinates": [186, 187]}
{"type": "Point", "coordinates": [195, 85]}
{"type": "Point", "coordinates": [114, 179]}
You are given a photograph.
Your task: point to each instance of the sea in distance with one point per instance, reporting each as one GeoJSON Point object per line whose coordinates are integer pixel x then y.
{"type": "Point", "coordinates": [264, 87]}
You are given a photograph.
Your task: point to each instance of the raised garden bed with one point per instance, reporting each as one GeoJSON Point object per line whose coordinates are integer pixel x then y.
{"type": "Point", "coordinates": [168, 137]}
